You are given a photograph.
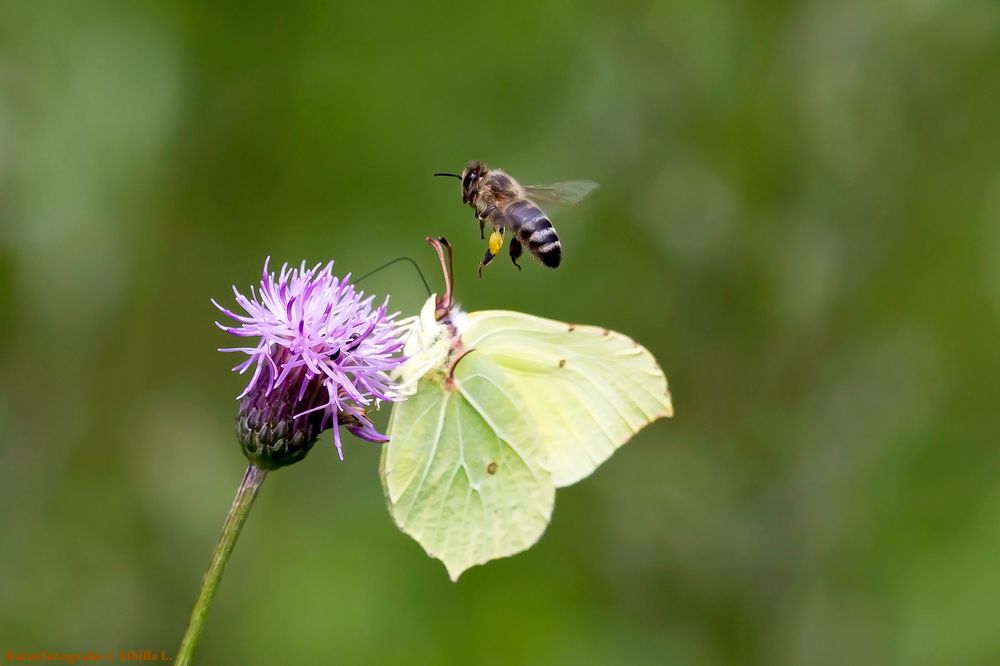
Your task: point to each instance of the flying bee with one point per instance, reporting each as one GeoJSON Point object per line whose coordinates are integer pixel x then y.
{"type": "Point", "coordinates": [507, 205]}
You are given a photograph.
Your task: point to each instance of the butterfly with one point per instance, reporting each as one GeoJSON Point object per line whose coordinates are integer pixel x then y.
{"type": "Point", "coordinates": [502, 409]}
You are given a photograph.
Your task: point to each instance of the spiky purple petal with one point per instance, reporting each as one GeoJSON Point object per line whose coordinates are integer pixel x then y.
{"type": "Point", "coordinates": [317, 329]}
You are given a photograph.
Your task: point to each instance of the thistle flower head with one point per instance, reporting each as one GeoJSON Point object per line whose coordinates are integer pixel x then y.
{"type": "Point", "coordinates": [321, 358]}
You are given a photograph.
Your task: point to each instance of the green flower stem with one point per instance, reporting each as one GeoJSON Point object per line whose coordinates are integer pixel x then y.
{"type": "Point", "coordinates": [238, 512]}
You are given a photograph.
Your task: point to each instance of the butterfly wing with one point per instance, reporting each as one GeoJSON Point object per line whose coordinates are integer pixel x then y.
{"type": "Point", "coordinates": [464, 472]}
{"type": "Point", "coordinates": [568, 192]}
{"type": "Point", "coordinates": [587, 390]}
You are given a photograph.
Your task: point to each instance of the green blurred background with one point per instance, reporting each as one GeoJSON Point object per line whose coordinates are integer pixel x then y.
{"type": "Point", "coordinates": [799, 217]}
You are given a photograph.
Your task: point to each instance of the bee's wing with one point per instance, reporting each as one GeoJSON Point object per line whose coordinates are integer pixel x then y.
{"type": "Point", "coordinates": [567, 192]}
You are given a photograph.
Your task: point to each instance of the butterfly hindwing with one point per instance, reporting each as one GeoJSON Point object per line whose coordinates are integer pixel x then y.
{"type": "Point", "coordinates": [465, 473]}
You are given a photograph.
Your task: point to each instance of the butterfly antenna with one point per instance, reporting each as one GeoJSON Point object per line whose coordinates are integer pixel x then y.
{"type": "Point", "coordinates": [394, 261]}
{"type": "Point", "coordinates": [450, 175]}
{"type": "Point", "coordinates": [443, 249]}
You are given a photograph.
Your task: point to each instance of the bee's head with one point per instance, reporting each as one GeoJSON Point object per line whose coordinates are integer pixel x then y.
{"type": "Point", "coordinates": [471, 177]}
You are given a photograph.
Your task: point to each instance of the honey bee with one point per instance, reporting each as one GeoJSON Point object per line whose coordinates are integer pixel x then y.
{"type": "Point", "coordinates": [507, 205]}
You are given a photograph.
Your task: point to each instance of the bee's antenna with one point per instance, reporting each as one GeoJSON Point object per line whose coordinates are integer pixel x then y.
{"type": "Point", "coordinates": [390, 263]}
{"type": "Point", "coordinates": [452, 175]}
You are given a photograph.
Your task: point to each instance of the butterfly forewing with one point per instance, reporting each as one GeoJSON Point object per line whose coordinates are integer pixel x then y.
{"type": "Point", "coordinates": [587, 389]}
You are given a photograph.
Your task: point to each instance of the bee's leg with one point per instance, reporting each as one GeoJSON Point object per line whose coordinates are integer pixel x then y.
{"type": "Point", "coordinates": [481, 216]}
{"type": "Point", "coordinates": [487, 258]}
{"type": "Point", "coordinates": [515, 251]}
{"type": "Point", "coordinates": [496, 242]}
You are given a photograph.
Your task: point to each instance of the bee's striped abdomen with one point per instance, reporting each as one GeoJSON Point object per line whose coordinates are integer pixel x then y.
{"type": "Point", "coordinates": [535, 232]}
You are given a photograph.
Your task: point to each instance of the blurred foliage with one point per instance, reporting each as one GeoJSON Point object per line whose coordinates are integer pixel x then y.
{"type": "Point", "coordinates": [799, 216]}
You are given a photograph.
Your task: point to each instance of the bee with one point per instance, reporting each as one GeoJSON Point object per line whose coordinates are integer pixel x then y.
{"type": "Point", "coordinates": [507, 205]}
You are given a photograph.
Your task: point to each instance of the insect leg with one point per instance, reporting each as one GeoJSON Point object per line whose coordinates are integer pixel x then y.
{"type": "Point", "coordinates": [515, 251]}
{"type": "Point", "coordinates": [496, 242]}
{"type": "Point", "coordinates": [487, 258]}
{"type": "Point", "coordinates": [481, 216]}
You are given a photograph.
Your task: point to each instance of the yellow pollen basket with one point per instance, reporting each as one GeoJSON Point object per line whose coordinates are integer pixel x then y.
{"type": "Point", "coordinates": [496, 242]}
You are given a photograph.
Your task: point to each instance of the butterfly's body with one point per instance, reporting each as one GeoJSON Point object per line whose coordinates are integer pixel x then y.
{"type": "Point", "coordinates": [500, 200]}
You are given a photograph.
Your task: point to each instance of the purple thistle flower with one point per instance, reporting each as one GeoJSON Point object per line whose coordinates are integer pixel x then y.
{"type": "Point", "coordinates": [322, 357]}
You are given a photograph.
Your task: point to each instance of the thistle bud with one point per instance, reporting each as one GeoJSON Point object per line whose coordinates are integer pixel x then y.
{"type": "Point", "coordinates": [269, 432]}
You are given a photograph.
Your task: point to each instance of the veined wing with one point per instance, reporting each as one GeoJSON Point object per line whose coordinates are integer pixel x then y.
{"type": "Point", "coordinates": [567, 192]}
{"type": "Point", "coordinates": [588, 390]}
{"type": "Point", "coordinates": [464, 472]}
